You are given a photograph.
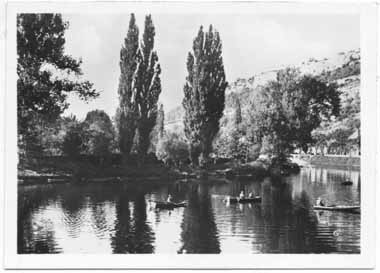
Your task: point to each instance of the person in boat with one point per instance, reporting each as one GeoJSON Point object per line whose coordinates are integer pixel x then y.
{"type": "Point", "coordinates": [241, 195]}
{"type": "Point", "coordinates": [250, 195]}
{"type": "Point", "coordinates": [320, 202]}
{"type": "Point", "coordinates": [169, 199]}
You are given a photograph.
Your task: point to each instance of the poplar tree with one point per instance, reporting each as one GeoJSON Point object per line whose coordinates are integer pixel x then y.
{"type": "Point", "coordinates": [127, 111]}
{"type": "Point", "coordinates": [204, 94]}
{"type": "Point", "coordinates": [148, 88]}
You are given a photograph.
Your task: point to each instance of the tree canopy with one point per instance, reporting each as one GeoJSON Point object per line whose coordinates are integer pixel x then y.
{"type": "Point", "coordinates": [126, 113]}
{"type": "Point", "coordinates": [204, 92]}
{"type": "Point", "coordinates": [99, 133]}
{"type": "Point", "coordinates": [139, 88]}
{"type": "Point", "coordinates": [287, 110]}
{"type": "Point", "coordinates": [46, 75]}
{"type": "Point", "coordinates": [148, 87]}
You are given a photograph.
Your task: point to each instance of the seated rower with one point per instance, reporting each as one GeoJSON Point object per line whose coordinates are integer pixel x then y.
{"type": "Point", "coordinates": [241, 195]}
{"type": "Point", "coordinates": [320, 202]}
{"type": "Point", "coordinates": [169, 199]}
{"type": "Point", "coordinates": [250, 195]}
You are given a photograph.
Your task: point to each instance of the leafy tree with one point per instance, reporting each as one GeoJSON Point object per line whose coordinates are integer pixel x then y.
{"type": "Point", "coordinates": [148, 87]}
{"type": "Point", "coordinates": [338, 135]}
{"type": "Point", "coordinates": [73, 141]}
{"type": "Point", "coordinates": [204, 92]}
{"type": "Point", "coordinates": [126, 113]}
{"type": "Point", "coordinates": [99, 133]}
{"type": "Point", "coordinates": [45, 74]}
{"type": "Point", "coordinates": [288, 109]}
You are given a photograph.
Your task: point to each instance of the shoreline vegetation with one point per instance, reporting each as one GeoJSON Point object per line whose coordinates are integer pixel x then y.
{"type": "Point", "coordinates": [249, 133]}
{"type": "Point", "coordinates": [64, 170]}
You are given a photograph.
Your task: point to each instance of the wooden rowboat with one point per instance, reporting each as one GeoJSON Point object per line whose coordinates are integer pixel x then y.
{"type": "Point", "coordinates": [233, 200]}
{"type": "Point", "coordinates": [338, 208]}
{"type": "Point", "coordinates": [169, 205]}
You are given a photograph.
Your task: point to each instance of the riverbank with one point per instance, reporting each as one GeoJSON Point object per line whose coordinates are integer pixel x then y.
{"type": "Point", "coordinates": [87, 170]}
{"type": "Point", "coordinates": [54, 170]}
{"type": "Point", "coordinates": [328, 160]}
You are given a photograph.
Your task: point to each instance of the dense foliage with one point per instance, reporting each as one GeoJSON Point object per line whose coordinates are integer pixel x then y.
{"type": "Point", "coordinates": [204, 94]}
{"type": "Point", "coordinates": [99, 133]}
{"type": "Point", "coordinates": [280, 117]}
{"type": "Point", "coordinates": [173, 149]}
{"type": "Point", "coordinates": [73, 141]}
{"type": "Point", "coordinates": [148, 88]}
{"type": "Point", "coordinates": [46, 75]}
{"type": "Point", "coordinates": [287, 110]}
{"type": "Point", "coordinates": [126, 114]}
{"type": "Point", "coordinates": [139, 89]}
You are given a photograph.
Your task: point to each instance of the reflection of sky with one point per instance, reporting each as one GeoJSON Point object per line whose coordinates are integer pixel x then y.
{"type": "Point", "coordinates": [326, 183]}
{"type": "Point", "coordinates": [167, 230]}
{"type": "Point", "coordinates": [76, 237]}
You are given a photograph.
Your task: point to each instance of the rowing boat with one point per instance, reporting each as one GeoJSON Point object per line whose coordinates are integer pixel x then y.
{"type": "Point", "coordinates": [243, 200]}
{"type": "Point", "coordinates": [337, 208]}
{"type": "Point", "coordinates": [169, 205]}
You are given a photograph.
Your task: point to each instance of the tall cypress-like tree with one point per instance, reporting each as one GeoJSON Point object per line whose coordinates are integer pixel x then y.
{"type": "Point", "coordinates": [148, 87]}
{"type": "Point", "coordinates": [126, 114]}
{"type": "Point", "coordinates": [204, 92]}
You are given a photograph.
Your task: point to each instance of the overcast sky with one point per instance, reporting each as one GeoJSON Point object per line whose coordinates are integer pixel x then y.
{"type": "Point", "coordinates": [251, 44]}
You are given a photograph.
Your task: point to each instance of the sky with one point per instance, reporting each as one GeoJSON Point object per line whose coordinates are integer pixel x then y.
{"type": "Point", "coordinates": [251, 44]}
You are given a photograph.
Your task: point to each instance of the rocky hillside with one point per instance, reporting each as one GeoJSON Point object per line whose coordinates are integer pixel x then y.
{"type": "Point", "coordinates": [343, 68]}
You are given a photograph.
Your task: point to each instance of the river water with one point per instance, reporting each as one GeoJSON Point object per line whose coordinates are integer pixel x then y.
{"type": "Point", "coordinates": [121, 218]}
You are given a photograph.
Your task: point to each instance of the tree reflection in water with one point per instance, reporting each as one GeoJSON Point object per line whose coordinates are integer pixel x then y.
{"type": "Point", "coordinates": [291, 226]}
{"type": "Point", "coordinates": [114, 218]}
{"type": "Point", "coordinates": [35, 237]}
{"type": "Point", "coordinates": [199, 233]}
{"type": "Point", "coordinates": [132, 234]}
{"type": "Point", "coordinates": [73, 203]}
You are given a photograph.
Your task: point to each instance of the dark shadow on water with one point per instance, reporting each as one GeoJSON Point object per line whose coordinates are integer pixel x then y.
{"type": "Point", "coordinates": [291, 226]}
{"type": "Point", "coordinates": [199, 233]}
{"type": "Point", "coordinates": [33, 237]}
{"type": "Point", "coordinates": [132, 232]}
{"type": "Point", "coordinates": [116, 215]}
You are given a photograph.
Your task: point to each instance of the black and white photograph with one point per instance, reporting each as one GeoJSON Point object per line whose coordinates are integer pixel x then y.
{"type": "Point", "coordinates": [181, 131]}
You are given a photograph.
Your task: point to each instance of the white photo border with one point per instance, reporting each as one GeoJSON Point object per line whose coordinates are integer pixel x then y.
{"type": "Point", "coordinates": [368, 47]}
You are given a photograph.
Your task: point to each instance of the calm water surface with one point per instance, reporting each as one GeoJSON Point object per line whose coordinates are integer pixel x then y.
{"type": "Point", "coordinates": [120, 218]}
